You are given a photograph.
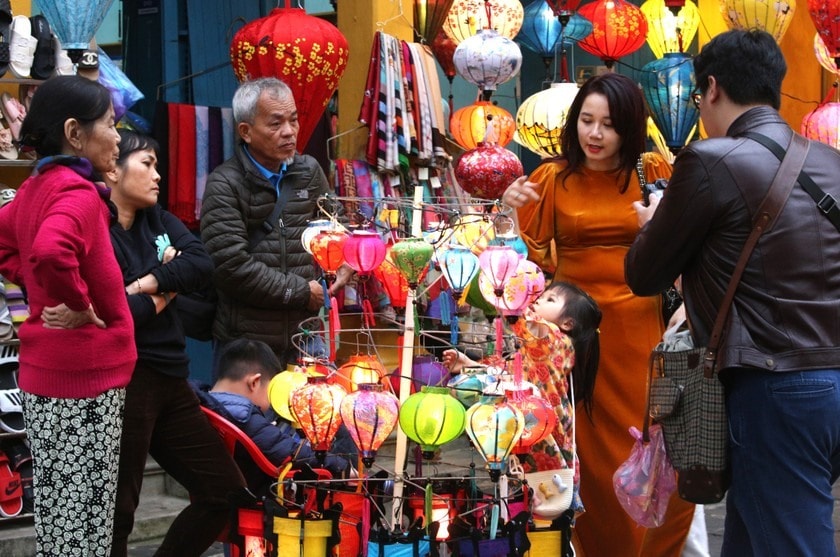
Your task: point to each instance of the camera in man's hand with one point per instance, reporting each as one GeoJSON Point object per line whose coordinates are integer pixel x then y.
{"type": "Point", "coordinates": [654, 188]}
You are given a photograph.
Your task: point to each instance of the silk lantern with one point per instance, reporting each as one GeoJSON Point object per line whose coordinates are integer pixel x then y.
{"type": "Point", "coordinates": [541, 32]}
{"type": "Point", "coordinates": [513, 240]}
{"type": "Point", "coordinates": [541, 117]}
{"type": "Point", "coordinates": [306, 52]}
{"type": "Point", "coordinates": [313, 228]}
{"type": "Point", "coordinates": [279, 389]}
{"type": "Point", "coordinates": [773, 17]}
{"type": "Point", "coordinates": [468, 17]}
{"type": "Point", "coordinates": [534, 278]}
{"type": "Point", "coordinates": [823, 57]}
{"type": "Point", "coordinates": [359, 369]}
{"type": "Point", "coordinates": [411, 257]}
{"type": "Point", "coordinates": [494, 426]}
{"type": "Point", "coordinates": [823, 124]}
{"type": "Point", "coordinates": [328, 250]}
{"type": "Point", "coordinates": [487, 170]}
{"type": "Point", "coordinates": [458, 265]}
{"type": "Point", "coordinates": [487, 60]}
{"type": "Point", "coordinates": [514, 296]}
{"type": "Point", "coordinates": [444, 49]}
{"type": "Point", "coordinates": [432, 418]}
{"type": "Point", "coordinates": [427, 371]}
{"type": "Point", "coordinates": [539, 417]}
{"type": "Point", "coordinates": [370, 415]}
{"type": "Point", "coordinates": [576, 29]}
{"type": "Point", "coordinates": [618, 28]}
{"type": "Point", "coordinates": [667, 84]}
{"type": "Point", "coordinates": [474, 231]}
{"type": "Point", "coordinates": [429, 16]}
{"type": "Point", "coordinates": [74, 22]}
{"type": "Point", "coordinates": [667, 31]}
{"type": "Point", "coordinates": [364, 251]}
{"type": "Point", "coordinates": [563, 8]}
{"type": "Point", "coordinates": [481, 122]}
{"type": "Point", "coordinates": [316, 407]}
{"type": "Point", "coordinates": [392, 280]}
{"type": "Point", "coordinates": [826, 17]}
{"type": "Point", "coordinates": [468, 385]}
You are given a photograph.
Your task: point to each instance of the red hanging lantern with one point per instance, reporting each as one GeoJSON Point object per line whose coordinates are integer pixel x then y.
{"type": "Point", "coordinates": [618, 28]}
{"type": "Point", "coordinates": [826, 17]}
{"type": "Point", "coordinates": [316, 408]}
{"type": "Point", "coordinates": [328, 250]}
{"type": "Point", "coordinates": [392, 280]}
{"type": "Point", "coordinates": [482, 122]}
{"type": "Point", "coordinates": [540, 418]}
{"type": "Point", "coordinates": [306, 52]}
{"type": "Point", "coordinates": [487, 170]}
{"type": "Point", "coordinates": [563, 8]}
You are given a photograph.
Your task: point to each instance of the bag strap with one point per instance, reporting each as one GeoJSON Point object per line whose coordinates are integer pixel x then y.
{"type": "Point", "coordinates": [766, 215]}
{"type": "Point", "coordinates": [825, 201]}
{"type": "Point", "coordinates": [258, 235]}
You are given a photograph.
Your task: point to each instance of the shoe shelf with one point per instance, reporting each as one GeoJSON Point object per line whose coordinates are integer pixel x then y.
{"type": "Point", "coordinates": [20, 80]}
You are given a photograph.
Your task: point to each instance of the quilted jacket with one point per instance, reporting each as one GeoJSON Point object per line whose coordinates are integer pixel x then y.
{"type": "Point", "coordinates": [264, 291]}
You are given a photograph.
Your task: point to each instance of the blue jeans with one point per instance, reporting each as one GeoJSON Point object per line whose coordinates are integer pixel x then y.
{"type": "Point", "coordinates": [785, 450]}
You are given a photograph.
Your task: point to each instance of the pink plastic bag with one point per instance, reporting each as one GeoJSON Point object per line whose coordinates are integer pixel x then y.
{"type": "Point", "coordinates": [645, 482]}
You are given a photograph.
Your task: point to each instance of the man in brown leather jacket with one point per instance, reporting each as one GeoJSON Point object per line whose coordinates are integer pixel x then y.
{"type": "Point", "coordinates": [780, 352]}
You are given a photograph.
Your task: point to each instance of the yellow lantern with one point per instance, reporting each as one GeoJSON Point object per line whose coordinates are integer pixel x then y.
{"type": "Point", "coordinates": [541, 117]}
{"type": "Point", "coordinates": [667, 31]}
{"type": "Point", "coordinates": [773, 17]}
{"type": "Point", "coordinates": [468, 17]}
{"type": "Point", "coordinates": [481, 122]}
{"type": "Point", "coordinates": [474, 231]}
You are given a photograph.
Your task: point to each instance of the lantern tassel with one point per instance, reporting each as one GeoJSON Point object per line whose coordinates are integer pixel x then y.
{"type": "Point", "coordinates": [454, 330]}
{"type": "Point", "coordinates": [428, 505]}
{"type": "Point", "coordinates": [499, 333]}
{"type": "Point", "coordinates": [445, 309]}
{"type": "Point", "coordinates": [517, 369]}
{"type": "Point", "coordinates": [335, 326]}
{"type": "Point", "coordinates": [367, 314]}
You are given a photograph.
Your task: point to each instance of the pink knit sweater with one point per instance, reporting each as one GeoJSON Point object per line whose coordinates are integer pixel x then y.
{"type": "Point", "coordinates": [54, 241]}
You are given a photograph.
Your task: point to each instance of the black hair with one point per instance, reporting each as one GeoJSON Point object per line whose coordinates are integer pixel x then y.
{"type": "Point", "coordinates": [57, 100]}
{"type": "Point", "coordinates": [131, 142]}
{"type": "Point", "coordinates": [586, 317]}
{"type": "Point", "coordinates": [242, 356]}
{"type": "Point", "coordinates": [629, 119]}
{"type": "Point", "coordinates": [748, 65]}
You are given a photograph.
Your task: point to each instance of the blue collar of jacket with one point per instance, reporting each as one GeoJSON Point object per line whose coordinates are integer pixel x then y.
{"type": "Point", "coordinates": [273, 177]}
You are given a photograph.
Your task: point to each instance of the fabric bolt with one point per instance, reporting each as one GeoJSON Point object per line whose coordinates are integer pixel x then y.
{"type": "Point", "coordinates": [434, 105]}
{"type": "Point", "coordinates": [163, 419]}
{"type": "Point", "coordinates": [215, 154]}
{"type": "Point", "coordinates": [592, 225]}
{"type": "Point", "coordinates": [182, 191]}
{"type": "Point", "coordinates": [77, 446]}
{"type": "Point", "coordinates": [16, 302]}
{"type": "Point", "coordinates": [229, 134]}
{"type": "Point", "coordinates": [174, 129]}
{"type": "Point", "coordinates": [202, 146]}
{"type": "Point", "coordinates": [410, 102]}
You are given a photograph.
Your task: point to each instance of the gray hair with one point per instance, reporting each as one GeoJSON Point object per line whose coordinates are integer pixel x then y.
{"type": "Point", "coordinates": [248, 94]}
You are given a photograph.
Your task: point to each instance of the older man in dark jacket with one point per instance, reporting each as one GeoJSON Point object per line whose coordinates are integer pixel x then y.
{"type": "Point", "coordinates": [780, 353]}
{"type": "Point", "coordinates": [268, 286]}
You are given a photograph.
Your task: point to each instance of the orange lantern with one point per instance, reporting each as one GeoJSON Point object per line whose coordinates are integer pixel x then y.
{"type": "Point", "coordinates": [482, 122]}
{"type": "Point", "coordinates": [316, 406]}
{"type": "Point", "coordinates": [618, 28]}
{"type": "Point", "coordinates": [306, 52]}
{"type": "Point", "coordinates": [392, 280]}
{"type": "Point", "coordinates": [328, 250]}
{"type": "Point", "coordinates": [360, 368]}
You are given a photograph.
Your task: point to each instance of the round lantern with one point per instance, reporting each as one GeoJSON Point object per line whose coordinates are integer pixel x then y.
{"type": "Point", "coordinates": [426, 370]}
{"type": "Point", "coordinates": [481, 122]}
{"type": "Point", "coordinates": [773, 17]}
{"type": "Point", "coordinates": [468, 17]}
{"type": "Point", "coordinates": [823, 57]}
{"type": "Point", "coordinates": [541, 30]}
{"type": "Point", "coordinates": [370, 415]}
{"type": "Point", "coordinates": [487, 170]}
{"type": "Point", "coordinates": [359, 369]}
{"type": "Point", "coordinates": [487, 59]}
{"type": "Point", "coordinates": [279, 389]}
{"type": "Point", "coordinates": [823, 124]}
{"type": "Point", "coordinates": [313, 229]}
{"type": "Point", "coordinates": [411, 256]}
{"type": "Point", "coordinates": [429, 16]}
{"type": "Point", "coordinates": [316, 408]}
{"type": "Point", "coordinates": [474, 231]}
{"type": "Point", "coordinates": [328, 250]}
{"type": "Point", "coordinates": [618, 28]}
{"type": "Point", "coordinates": [826, 17]}
{"type": "Point", "coordinates": [540, 419]}
{"type": "Point", "coordinates": [541, 117]}
{"type": "Point", "coordinates": [432, 418]}
{"type": "Point", "coordinates": [494, 426]}
{"type": "Point", "coordinates": [563, 8]}
{"type": "Point", "coordinates": [534, 278]}
{"type": "Point", "coordinates": [576, 29]}
{"type": "Point", "coordinates": [392, 280]}
{"type": "Point", "coordinates": [667, 85]}
{"type": "Point", "coordinates": [364, 251]}
{"type": "Point", "coordinates": [669, 32]}
{"type": "Point", "coordinates": [516, 289]}
{"type": "Point", "coordinates": [468, 385]}
{"type": "Point", "coordinates": [306, 52]}
{"type": "Point", "coordinates": [459, 265]}
{"type": "Point", "coordinates": [498, 265]}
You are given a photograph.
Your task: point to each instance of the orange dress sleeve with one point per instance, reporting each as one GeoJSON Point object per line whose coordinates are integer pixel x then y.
{"type": "Point", "coordinates": [536, 220]}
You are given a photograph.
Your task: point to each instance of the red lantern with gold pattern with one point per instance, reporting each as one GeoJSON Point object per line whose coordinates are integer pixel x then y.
{"type": "Point", "coordinates": [392, 280]}
{"type": "Point", "coordinates": [618, 28]}
{"type": "Point", "coordinates": [308, 53]}
{"type": "Point", "coordinates": [487, 170]}
{"type": "Point", "coordinates": [482, 122]}
{"type": "Point", "coordinates": [328, 250]}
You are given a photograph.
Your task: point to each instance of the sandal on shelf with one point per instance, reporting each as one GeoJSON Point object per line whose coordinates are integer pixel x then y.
{"type": "Point", "coordinates": [63, 64]}
{"type": "Point", "coordinates": [5, 34]}
{"type": "Point", "coordinates": [13, 112]}
{"type": "Point", "coordinates": [21, 47]}
{"type": "Point", "coordinates": [7, 147]}
{"type": "Point", "coordinates": [11, 490]}
{"type": "Point", "coordinates": [43, 59]}
{"type": "Point", "coordinates": [20, 458]}
{"type": "Point", "coordinates": [11, 400]}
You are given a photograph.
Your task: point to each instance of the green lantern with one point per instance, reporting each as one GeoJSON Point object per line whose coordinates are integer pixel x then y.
{"type": "Point", "coordinates": [411, 257]}
{"type": "Point", "coordinates": [432, 418]}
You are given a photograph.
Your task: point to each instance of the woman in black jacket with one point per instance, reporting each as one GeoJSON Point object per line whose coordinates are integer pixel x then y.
{"type": "Point", "coordinates": [159, 259]}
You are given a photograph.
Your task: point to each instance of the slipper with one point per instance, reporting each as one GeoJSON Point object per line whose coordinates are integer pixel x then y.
{"type": "Point", "coordinates": [5, 34]}
{"type": "Point", "coordinates": [21, 47]}
{"type": "Point", "coordinates": [11, 400]}
{"type": "Point", "coordinates": [63, 64]}
{"type": "Point", "coordinates": [14, 112]}
{"type": "Point", "coordinates": [7, 147]}
{"type": "Point", "coordinates": [43, 60]}
{"type": "Point", "coordinates": [20, 458]}
{"type": "Point", "coordinates": [25, 93]}
{"type": "Point", "coordinates": [11, 491]}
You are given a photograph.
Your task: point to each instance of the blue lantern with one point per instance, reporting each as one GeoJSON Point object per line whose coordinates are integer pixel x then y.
{"type": "Point", "coordinates": [459, 265]}
{"type": "Point", "coordinates": [667, 84]}
{"type": "Point", "coordinates": [75, 22]}
{"type": "Point", "coordinates": [577, 29]}
{"type": "Point", "coordinates": [540, 29]}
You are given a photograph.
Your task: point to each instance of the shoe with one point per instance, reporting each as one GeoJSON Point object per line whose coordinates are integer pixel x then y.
{"type": "Point", "coordinates": [5, 34]}
{"type": "Point", "coordinates": [21, 47]}
{"type": "Point", "coordinates": [11, 490]}
{"type": "Point", "coordinates": [20, 460]}
{"type": "Point", "coordinates": [8, 150]}
{"type": "Point", "coordinates": [11, 400]}
{"type": "Point", "coordinates": [25, 93]}
{"type": "Point", "coordinates": [43, 60]}
{"type": "Point", "coordinates": [13, 112]}
{"type": "Point", "coordinates": [63, 64]}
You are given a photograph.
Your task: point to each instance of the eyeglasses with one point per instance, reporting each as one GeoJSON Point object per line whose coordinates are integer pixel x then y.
{"type": "Point", "coordinates": [697, 96]}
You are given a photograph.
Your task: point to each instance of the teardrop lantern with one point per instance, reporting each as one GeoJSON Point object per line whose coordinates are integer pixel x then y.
{"type": "Point", "coordinates": [392, 280]}
{"type": "Point", "coordinates": [481, 122]}
{"type": "Point", "coordinates": [487, 60]}
{"type": "Point", "coordinates": [773, 17]}
{"type": "Point", "coordinates": [328, 250]}
{"type": "Point", "coordinates": [316, 407]}
{"type": "Point", "coordinates": [823, 124]}
{"type": "Point", "coordinates": [487, 170]}
{"type": "Point", "coordinates": [494, 426]}
{"type": "Point", "coordinates": [541, 31]}
{"type": "Point", "coordinates": [411, 256]}
{"type": "Point", "coordinates": [667, 84]}
{"type": "Point", "coordinates": [540, 419]}
{"type": "Point", "coordinates": [618, 29]}
{"type": "Point", "coordinates": [826, 17]}
{"type": "Point", "coordinates": [667, 31]}
{"type": "Point", "coordinates": [468, 17]}
{"type": "Point", "coordinates": [370, 415]}
{"type": "Point", "coordinates": [306, 52]}
{"type": "Point", "coordinates": [541, 117]}
{"type": "Point", "coordinates": [459, 265]}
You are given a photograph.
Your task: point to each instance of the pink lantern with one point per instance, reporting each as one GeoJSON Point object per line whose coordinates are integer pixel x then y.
{"type": "Point", "coordinates": [364, 251]}
{"type": "Point", "coordinates": [370, 415]}
{"type": "Point", "coordinates": [823, 123]}
{"type": "Point", "coordinates": [487, 170]}
{"type": "Point", "coordinates": [534, 278]}
{"type": "Point", "coordinates": [515, 294]}
{"type": "Point", "coordinates": [498, 264]}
